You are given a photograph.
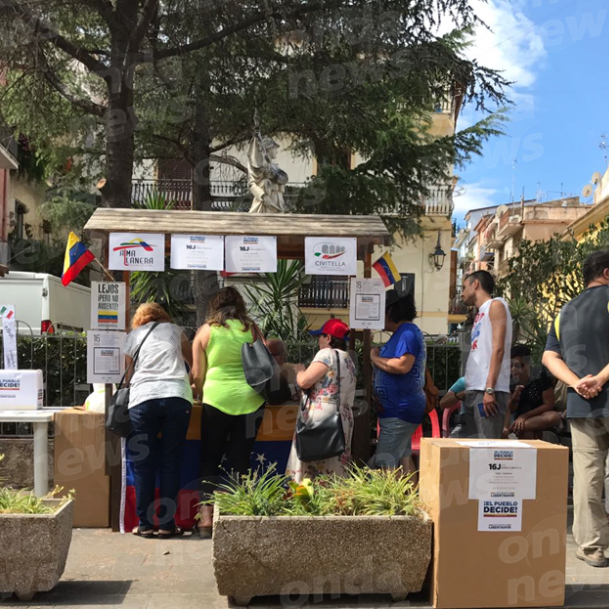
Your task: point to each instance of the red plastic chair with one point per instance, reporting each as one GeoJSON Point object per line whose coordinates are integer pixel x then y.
{"type": "Point", "coordinates": [446, 415]}
{"type": "Point", "coordinates": [418, 434]}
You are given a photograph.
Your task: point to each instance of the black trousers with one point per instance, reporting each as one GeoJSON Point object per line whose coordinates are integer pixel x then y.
{"type": "Point", "coordinates": [230, 436]}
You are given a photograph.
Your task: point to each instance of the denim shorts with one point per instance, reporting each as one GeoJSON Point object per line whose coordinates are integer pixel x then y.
{"type": "Point", "coordinates": [394, 443]}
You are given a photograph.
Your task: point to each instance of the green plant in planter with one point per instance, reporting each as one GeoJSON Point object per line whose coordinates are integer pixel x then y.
{"type": "Point", "coordinates": [363, 492]}
{"type": "Point", "coordinates": [24, 502]}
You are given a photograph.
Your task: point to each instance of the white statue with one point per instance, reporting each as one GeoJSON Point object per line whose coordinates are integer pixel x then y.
{"type": "Point", "coordinates": [266, 180]}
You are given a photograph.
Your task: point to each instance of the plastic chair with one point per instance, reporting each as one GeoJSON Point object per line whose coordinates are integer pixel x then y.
{"type": "Point", "coordinates": [446, 416]}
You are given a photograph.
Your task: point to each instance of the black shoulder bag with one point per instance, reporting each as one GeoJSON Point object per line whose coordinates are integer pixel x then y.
{"type": "Point", "coordinates": [117, 417]}
{"type": "Point", "coordinates": [319, 440]}
{"type": "Point", "coordinates": [262, 372]}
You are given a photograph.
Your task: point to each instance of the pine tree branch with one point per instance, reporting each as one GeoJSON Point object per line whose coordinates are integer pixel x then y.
{"type": "Point", "coordinates": [37, 26]}
{"type": "Point", "coordinates": [228, 160]}
{"type": "Point", "coordinates": [231, 142]}
{"type": "Point", "coordinates": [256, 18]}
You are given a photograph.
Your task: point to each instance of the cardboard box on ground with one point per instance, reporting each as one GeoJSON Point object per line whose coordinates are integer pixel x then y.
{"type": "Point", "coordinates": [494, 568]}
{"type": "Point", "coordinates": [80, 457]}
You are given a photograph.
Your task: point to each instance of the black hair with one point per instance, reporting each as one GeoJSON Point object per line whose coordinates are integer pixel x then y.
{"type": "Point", "coordinates": [520, 350]}
{"type": "Point", "coordinates": [487, 283]}
{"type": "Point", "coordinates": [403, 310]}
{"type": "Point", "coordinates": [337, 343]}
{"type": "Point", "coordinates": [595, 265]}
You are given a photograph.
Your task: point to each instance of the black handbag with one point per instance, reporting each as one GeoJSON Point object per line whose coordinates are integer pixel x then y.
{"type": "Point", "coordinates": [319, 440]}
{"type": "Point", "coordinates": [117, 417]}
{"type": "Point", "coordinates": [262, 372]}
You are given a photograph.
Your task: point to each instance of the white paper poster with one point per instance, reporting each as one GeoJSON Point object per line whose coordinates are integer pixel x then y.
{"type": "Point", "coordinates": [192, 252]}
{"type": "Point", "coordinates": [108, 304]}
{"type": "Point", "coordinates": [137, 252]}
{"type": "Point", "coordinates": [251, 254]}
{"type": "Point", "coordinates": [502, 473]}
{"type": "Point", "coordinates": [367, 306]}
{"type": "Point", "coordinates": [105, 356]}
{"type": "Point", "coordinates": [9, 336]}
{"type": "Point", "coordinates": [500, 515]}
{"type": "Point", "coordinates": [330, 255]}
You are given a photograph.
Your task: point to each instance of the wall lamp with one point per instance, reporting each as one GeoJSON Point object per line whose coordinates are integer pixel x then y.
{"type": "Point", "coordinates": [437, 258]}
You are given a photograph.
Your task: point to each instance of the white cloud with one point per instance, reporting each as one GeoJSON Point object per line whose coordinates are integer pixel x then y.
{"type": "Point", "coordinates": [512, 42]}
{"type": "Point", "coordinates": [473, 196]}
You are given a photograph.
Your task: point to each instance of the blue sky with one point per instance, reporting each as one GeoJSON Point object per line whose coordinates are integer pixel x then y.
{"type": "Point", "coordinates": [556, 52]}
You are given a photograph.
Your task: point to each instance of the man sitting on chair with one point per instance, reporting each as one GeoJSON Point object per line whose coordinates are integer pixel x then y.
{"type": "Point", "coordinates": [532, 403]}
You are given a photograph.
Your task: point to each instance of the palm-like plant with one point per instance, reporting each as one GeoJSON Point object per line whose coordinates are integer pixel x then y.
{"type": "Point", "coordinates": [275, 301]}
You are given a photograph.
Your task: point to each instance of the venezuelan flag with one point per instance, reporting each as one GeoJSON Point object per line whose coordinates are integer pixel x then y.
{"type": "Point", "coordinates": [385, 267]}
{"type": "Point", "coordinates": [76, 259]}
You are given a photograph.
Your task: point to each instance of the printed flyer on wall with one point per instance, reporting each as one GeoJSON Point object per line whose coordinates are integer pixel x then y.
{"type": "Point", "coordinates": [367, 307]}
{"type": "Point", "coordinates": [105, 356]}
{"type": "Point", "coordinates": [137, 252]}
{"type": "Point", "coordinates": [331, 256]}
{"type": "Point", "coordinates": [108, 304]}
{"type": "Point", "coordinates": [197, 252]}
{"type": "Point", "coordinates": [251, 254]}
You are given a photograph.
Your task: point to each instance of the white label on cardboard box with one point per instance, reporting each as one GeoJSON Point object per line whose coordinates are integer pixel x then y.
{"type": "Point", "coordinates": [500, 515]}
{"type": "Point", "coordinates": [495, 444]}
{"type": "Point", "coordinates": [502, 473]}
{"type": "Point", "coordinates": [21, 389]}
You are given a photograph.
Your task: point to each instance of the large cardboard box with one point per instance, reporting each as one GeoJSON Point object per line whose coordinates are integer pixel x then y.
{"type": "Point", "coordinates": [80, 457]}
{"type": "Point", "coordinates": [481, 558]}
{"type": "Point", "coordinates": [21, 389]}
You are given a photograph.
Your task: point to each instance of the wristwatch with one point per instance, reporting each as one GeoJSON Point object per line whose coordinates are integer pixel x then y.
{"type": "Point", "coordinates": [489, 391]}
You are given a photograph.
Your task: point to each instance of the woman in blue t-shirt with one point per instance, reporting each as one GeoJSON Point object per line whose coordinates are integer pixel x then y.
{"type": "Point", "coordinates": [399, 379]}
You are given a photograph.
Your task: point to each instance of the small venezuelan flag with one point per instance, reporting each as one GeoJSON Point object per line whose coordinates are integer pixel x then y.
{"type": "Point", "coordinates": [76, 259]}
{"type": "Point", "coordinates": [385, 267]}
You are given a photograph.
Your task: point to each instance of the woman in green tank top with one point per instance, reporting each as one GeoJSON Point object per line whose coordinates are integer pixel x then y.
{"type": "Point", "coordinates": [232, 410]}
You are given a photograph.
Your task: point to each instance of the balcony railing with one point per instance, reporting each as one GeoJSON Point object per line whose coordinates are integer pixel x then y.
{"type": "Point", "coordinates": [439, 201]}
{"type": "Point", "coordinates": [325, 293]}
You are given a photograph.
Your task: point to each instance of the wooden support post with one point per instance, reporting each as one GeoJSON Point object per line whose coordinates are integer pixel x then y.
{"type": "Point", "coordinates": [361, 431]}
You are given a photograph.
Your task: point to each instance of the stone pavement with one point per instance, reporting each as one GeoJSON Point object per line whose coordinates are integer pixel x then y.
{"type": "Point", "coordinates": [108, 569]}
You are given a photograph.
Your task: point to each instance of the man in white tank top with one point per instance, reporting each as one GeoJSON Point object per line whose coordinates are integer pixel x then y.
{"type": "Point", "coordinates": [487, 375]}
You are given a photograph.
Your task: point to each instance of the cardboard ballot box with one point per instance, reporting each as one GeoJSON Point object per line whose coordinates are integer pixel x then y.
{"type": "Point", "coordinates": [500, 522]}
{"type": "Point", "coordinates": [80, 456]}
{"type": "Point", "coordinates": [21, 389]}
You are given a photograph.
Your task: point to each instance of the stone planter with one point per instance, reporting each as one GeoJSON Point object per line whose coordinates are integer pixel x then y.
{"type": "Point", "coordinates": [34, 550]}
{"type": "Point", "coordinates": [299, 556]}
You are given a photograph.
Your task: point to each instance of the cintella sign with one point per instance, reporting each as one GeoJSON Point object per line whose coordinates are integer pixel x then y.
{"type": "Point", "coordinates": [330, 256]}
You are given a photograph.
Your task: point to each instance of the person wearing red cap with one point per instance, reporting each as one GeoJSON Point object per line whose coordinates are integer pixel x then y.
{"type": "Point", "coordinates": [321, 387]}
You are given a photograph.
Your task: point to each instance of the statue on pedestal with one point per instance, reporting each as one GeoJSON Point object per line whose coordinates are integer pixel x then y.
{"type": "Point", "coordinates": [266, 180]}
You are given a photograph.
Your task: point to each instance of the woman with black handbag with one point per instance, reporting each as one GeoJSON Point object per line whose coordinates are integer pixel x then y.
{"type": "Point", "coordinates": [160, 402]}
{"type": "Point", "coordinates": [322, 442]}
{"type": "Point", "coordinates": [232, 410]}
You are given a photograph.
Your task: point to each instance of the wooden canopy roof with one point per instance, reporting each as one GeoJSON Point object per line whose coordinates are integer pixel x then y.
{"type": "Point", "coordinates": [290, 229]}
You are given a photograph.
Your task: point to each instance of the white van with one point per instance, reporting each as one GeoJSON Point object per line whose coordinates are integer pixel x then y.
{"type": "Point", "coordinates": [43, 305]}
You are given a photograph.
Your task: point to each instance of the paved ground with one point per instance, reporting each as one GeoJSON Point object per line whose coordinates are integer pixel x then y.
{"type": "Point", "coordinates": [106, 569]}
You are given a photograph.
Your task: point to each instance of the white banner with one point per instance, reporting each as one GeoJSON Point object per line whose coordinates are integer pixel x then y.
{"type": "Point", "coordinates": [9, 336]}
{"type": "Point", "coordinates": [367, 306]}
{"type": "Point", "coordinates": [137, 252]}
{"type": "Point", "coordinates": [331, 256]}
{"type": "Point", "coordinates": [108, 304]}
{"type": "Point", "coordinates": [105, 356]}
{"type": "Point", "coordinates": [202, 252]}
{"type": "Point", "coordinates": [251, 254]}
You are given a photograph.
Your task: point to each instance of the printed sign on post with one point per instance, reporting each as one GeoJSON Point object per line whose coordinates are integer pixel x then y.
{"type": "Point", "coordinates": [192, 252]}
{"type": "Point", "coordinates": [330, 255]}
{"type": "Point", "coordinates": [9, 336]}
{"type": "Point", "coordinates": [250, 254]}
{"type": "Point", "coordinates": [137, 252]}
{"type": "Point", "coordinates": [105, 356]}
{"type": "Point", "coordinates": [108, 305]}
{"type": "Point", "coordinates": [367, 306]}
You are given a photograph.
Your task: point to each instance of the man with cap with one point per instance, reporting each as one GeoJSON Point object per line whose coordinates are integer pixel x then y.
{"type": "Point", "coordinates": [399, 379]}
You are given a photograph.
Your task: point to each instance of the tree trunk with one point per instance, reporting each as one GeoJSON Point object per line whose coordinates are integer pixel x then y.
{"type": "Point", "coordinates": [120, 116]}
{"type": "Point", "coordinates": [205, 282]}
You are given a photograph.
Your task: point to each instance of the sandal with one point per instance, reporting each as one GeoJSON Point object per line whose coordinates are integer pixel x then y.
{"type": "Point", "coordinates": [139, 532]}
{"type": "Point", "coordinates": [175, 532]}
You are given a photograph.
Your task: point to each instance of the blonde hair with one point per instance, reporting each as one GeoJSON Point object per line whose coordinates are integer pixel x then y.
{"type": "Point", "coordinates": [147, 312]}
